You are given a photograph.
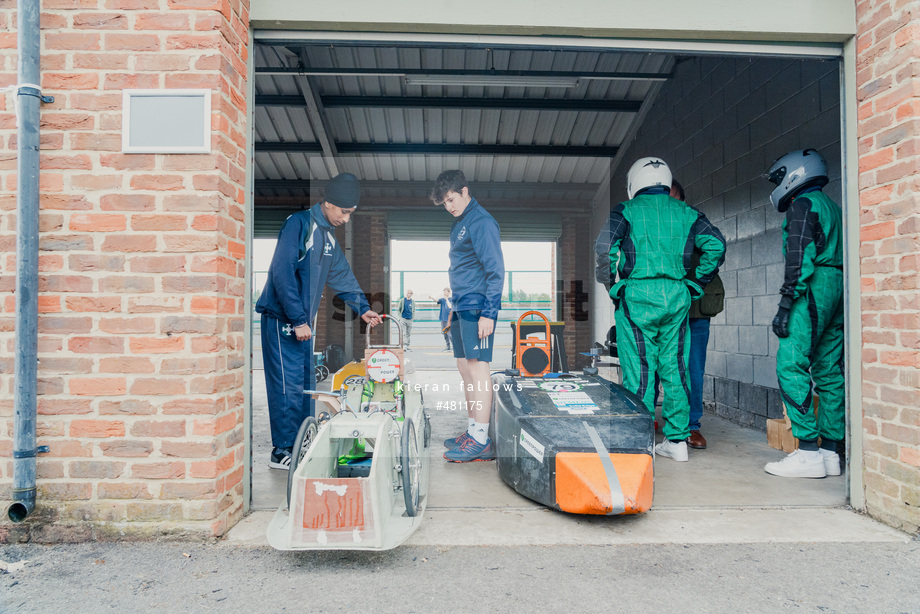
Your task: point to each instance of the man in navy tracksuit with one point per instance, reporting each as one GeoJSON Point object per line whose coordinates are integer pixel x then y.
{"type": "Point", "coordinates": [477, 276]}
{"type": "Point", "coordinates": [306, 259]}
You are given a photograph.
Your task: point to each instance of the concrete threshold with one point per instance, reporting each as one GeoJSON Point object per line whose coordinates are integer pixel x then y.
{"type": "Point", "coordinates": [536, 526]}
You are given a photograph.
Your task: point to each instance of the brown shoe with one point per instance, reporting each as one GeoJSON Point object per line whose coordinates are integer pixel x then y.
{"type": "Point", "coordinates": [696, 440]}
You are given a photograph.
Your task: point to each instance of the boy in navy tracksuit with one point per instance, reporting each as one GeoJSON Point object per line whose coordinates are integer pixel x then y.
{"type": "Point", "coordinates": [306, 259]}
{"type": "Point", "coordinates": [477, 276]}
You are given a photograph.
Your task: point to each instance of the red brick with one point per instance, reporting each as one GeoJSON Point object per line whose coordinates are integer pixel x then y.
{"type": "Point", "coordinates": [68, 406]}
{"type": "Point", "coordinates": [126, 449]}
{"type": "Point", "coordinates": [98, 101]}
{"type": "Point", "coordinates": [121, 81]}
{"type": "Point", "coordinates": [160, 62]}
{"type": "Point", "coordinates": [124, 364]}
{"type": "Point", "coordinates": [128, 202]}
{"type": "Point", "coordinates": [96, 345]}
{"type": "Point", "coordinates": [96, 142]}
{"type": "Point", "coordinates": [65, 364]}
{"type": "Point", "coordinates": [100, 21]}
{"type": "Point", "coordinates": [128, 162]}
{"type": "Point", "coordinates": [65, 325]}
{"type": "Point", "coordinates": [81, 162]}
{"type": "Point", "coordinates": [127, 326]}
{"type": "Point", "coordinates": [193, 41]}
{"type": "Point", "coordinates": [90, 304]}
{"type": "Point", "coordinates": [215, 426]}
{"type": "Point", "coordinates": [123, 491]}
{"type": "Point", "coordinates": [158, 471]}
{"type": "Point", "coordinates": [67, 121]}
{"type": "Point", "coordinates": [132, 42]}
{"type": "Point", "coordinates": [64, 283]}
{"type": "Point", "coordinates": [188, 449]}
{"type": "Point", "coordinates": [97, 428]}
{"type": "Point", "coordinates": [69, 81]}
{"type": "Point", "coordinates": [150, 345]}
{"type": "Point", "coordinates": [206, 406]}
{"type": "Point", "coordinates": [160, 222]}
{"type": "Point", "coordinates": [131, 407]}
{"type": "Point", "coordinates": [67, 202]}
{"type": "Point", "coordinates": [98, 386]}
{"type": "Point", "coordinates": [157, 182]}
{"type": "Point", "coordinates": [102, 61]}
{"type": "Point", "coordinates": [158, 428]}
{"type": "Point", "coordinates": [127, 284]}
{"type": "Point", "coordinates": [211, 468]}
{"type": "Point", "coordinates": [185, 490]}
{"type": "Point", "coordinates": [96, 182]}
{"type": "Point", "coordinates": [162, 21]}
{"type": "Point", "coordinates": [158, 386]}
{"type": "Point", "coordinates": [92, 262]}
{"type": "Point", "coordinates": [132, 5]}
{"type": "Point", "coordinates": [101, 470]}
{"type": "Point", "coordinates": [157, 264]}
{"type": "Point", "coordinates": [130, 243]}
{"type": "Point", "coordinates": [64, 492]}
{"type": "Point", "coordinates": [97, 222]}
{"type": "Point", "coordinates": [73, 41]}
{"type": "Point", "coordinates": [49, 304]}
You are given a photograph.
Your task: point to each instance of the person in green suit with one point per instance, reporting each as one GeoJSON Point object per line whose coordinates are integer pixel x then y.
{"type": "Point", "coordinates": [809, 321]}
{"type": "Point", "coordinates": [648, 242]}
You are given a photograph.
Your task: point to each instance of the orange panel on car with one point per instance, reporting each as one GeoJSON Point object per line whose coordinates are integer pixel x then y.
{"type": "Point", "coordinates": [333, 504]}
{"type": "Point", "coordinates": [582, 486]}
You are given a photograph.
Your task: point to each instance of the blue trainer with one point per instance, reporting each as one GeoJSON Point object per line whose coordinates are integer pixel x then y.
{"type": "Point", "coordinates": [455, 442]}
{"type": "Point", "coordinates": [471, 450]}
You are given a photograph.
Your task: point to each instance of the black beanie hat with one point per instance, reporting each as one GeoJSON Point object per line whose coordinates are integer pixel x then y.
{"type": "Point", "coordinates": [343, 191]}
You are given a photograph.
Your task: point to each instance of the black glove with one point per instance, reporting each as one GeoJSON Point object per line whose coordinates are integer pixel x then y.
{"type": "Point", "coordinates": [781, 319]}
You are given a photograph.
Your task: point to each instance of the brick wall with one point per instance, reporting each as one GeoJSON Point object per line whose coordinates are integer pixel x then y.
{"type": "Point", "coordinates": [719, 123]}
{"type": "Point", "coordinates": [888, 85]}
{"type": "Point", "coordinates": [142, 275]}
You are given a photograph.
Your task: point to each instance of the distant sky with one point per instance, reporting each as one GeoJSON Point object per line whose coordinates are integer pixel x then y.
{"type": "Point", "coordinates": [433, 256]}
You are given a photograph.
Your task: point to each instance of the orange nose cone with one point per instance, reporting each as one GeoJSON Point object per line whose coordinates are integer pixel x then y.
{"type": "Point", "coordinates": [582, 486]}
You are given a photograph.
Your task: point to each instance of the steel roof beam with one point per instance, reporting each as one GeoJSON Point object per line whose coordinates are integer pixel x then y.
{"type": "Point", "coordinates": [423, 102]}
{"type": "Point", "coordinates": [314, 71]}
{"type": "Point", "coordinates": [462, 149]}
{"type": "Point", "coordinates": [371, 184]}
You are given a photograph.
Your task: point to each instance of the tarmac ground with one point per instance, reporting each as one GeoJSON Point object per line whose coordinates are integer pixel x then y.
{"type": "Point", "coordinates": [721, 536]}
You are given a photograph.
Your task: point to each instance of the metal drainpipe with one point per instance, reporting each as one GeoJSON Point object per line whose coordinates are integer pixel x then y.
{"type": "Point", "coordinates": [28, 99]}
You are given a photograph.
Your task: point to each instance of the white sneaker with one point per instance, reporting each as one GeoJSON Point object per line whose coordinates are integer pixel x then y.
{"type": "Point", "coordinates": [831, 462]}
{"type": "Point", "coordinates": [676, 450]}
{"type": "Point", "coordinates": [799, 464]}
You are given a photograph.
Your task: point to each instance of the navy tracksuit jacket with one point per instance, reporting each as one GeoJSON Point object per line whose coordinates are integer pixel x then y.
{"type": "Point", "coordinates": [306, 259]}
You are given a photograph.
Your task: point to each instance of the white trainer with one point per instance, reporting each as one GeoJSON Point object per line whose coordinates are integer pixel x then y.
{"type": "Point", "coordinates": [799, 464]}
{"type": "Point", "coordinates": [676, 450]}
{"type": "Point", "coordinates": [831, 462]}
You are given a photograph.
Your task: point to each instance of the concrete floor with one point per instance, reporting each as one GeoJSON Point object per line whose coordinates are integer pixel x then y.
{"type": "Point", "coordinates": [723, 488]}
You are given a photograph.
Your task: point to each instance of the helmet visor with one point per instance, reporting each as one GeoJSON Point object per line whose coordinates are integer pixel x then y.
{"type": "Point", "coordinates": [776, 175]}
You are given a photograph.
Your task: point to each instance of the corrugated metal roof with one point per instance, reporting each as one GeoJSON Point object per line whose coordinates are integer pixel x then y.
{"type": "Point", "coordinates": [362, 121]}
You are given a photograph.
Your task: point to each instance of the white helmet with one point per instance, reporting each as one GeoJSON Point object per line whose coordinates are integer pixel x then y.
{"type": "Point", "coordinates": [793, 173]}
{"type": "Point", "coordinates": [647, 173]}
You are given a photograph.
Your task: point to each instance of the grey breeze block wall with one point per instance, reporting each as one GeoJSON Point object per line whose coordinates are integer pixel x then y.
{"type": "Point", "coordinates": [718, 124]}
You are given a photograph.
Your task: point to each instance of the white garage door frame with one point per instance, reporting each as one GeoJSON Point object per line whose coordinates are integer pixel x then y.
{"type": "Point", "coordinates": [844, 51]}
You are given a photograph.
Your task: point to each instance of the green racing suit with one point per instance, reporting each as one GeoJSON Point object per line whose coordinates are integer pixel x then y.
{"type": "Point", "coordinates": [648, 244]}
{"type": "Point", "coordinates": [813, 292]}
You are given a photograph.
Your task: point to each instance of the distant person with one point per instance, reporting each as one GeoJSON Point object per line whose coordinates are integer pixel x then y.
{"type": "Point", "coordinates": [306, 258]}
{"type": "Point", "coordinates": [809, 321]}
{"type": "Point", "coordinates": [702, 311]}
{"type": "Point", "coordinates": [444, 306]}
{"type": "Point", "coordinates": [644, 243]}
{"type": "Point", "coordinates": [477, 276]}
{"type": "Point", "coordinates": [405, 309]}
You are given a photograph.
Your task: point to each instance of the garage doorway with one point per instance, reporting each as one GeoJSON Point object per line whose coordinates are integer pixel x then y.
{"type": "Point", "coordinates": [546, 132]}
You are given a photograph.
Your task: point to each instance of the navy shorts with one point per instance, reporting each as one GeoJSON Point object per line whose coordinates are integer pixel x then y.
{"type": "Point", "coordinates": [464, 334]}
